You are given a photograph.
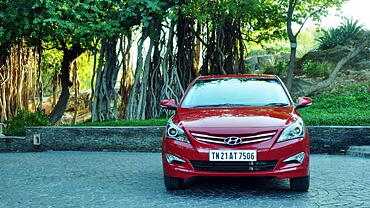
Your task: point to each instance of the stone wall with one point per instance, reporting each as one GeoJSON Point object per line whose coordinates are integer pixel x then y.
{"type": "Point", "coordinates": [1, 129]}
{"type": "Point", "coordinates": [13, 143]}
{"type": "Point", "coordinates": [334, 139]}
{"type": "Point", "coordinates": [324, 139]}
{"type": "Point", "coordinates": [135, 139]}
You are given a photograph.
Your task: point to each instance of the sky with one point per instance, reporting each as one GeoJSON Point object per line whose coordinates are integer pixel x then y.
{"type": "Point", "coordinates": [357, 9]}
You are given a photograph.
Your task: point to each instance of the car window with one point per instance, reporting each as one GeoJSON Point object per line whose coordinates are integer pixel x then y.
{"type": "Point", "coordinates": [235, 92]}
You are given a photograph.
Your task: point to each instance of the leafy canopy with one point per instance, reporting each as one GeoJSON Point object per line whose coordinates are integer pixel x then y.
{"type": "Point", "coordinates": [259, 19]}
{"type": "Point", "coordinates": [61, 24]}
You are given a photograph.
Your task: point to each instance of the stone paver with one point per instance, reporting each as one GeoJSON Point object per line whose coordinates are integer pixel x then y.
{"type": "Point", "coordinates": [106, 179]}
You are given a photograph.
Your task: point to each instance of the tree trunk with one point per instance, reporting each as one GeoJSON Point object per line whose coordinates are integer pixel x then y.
{"type": "Point", "coordinates": [156, 78]}
{"type": "Point", "coordinates": [39, 78]}
{"type": "Point", "coordinates": [69, 55]}
{"type": "Point", "coordinates": [132, 107]}
{"type": "Point", "coordinates": [76, 84]}
{"type": "Point", "coordinates": [293, 44]}
{"type": "Point", "coordinates": [241, 50]}
{"type": "Point", "coordinates": [105, 96]}
{"type": "Point", "coordinates": [17, 83]}
{"type": "Point", "coordinates": [291, 67]}
{"type": "Point", "coordinates": [125, 85]}
{"type": "Point", "coordinates": [197, 53]}
{"type": "Point", "coordinates": [185, 52]}
{"type": "Point", "coordinates": [144, 83]}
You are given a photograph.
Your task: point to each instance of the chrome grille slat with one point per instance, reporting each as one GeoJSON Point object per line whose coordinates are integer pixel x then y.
{"type": "Point", "coordinates": [260, 135]}
{"type": "Point", "coordinates": [210, 141]}
{"type": "Point", "coordinates": [256, 140]}
{"type": "Point", "coordinates": [207, 136]}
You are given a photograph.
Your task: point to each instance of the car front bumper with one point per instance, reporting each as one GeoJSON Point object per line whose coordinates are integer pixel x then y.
{"type": "Point", "coordinates": [278, 152]}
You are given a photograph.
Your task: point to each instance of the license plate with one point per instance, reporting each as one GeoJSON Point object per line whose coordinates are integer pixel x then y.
{"type": "Point", "coordinates": [232, 155]}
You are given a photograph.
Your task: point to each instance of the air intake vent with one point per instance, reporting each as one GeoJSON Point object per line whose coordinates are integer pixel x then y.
{"type": "Point", "coordinates": [234, 166]}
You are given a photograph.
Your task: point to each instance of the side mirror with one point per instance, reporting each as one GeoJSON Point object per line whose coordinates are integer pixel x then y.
{"type": "Point", "coordinates": [303, 102]}
{"type": "Point", "coordinates": [169, 104]}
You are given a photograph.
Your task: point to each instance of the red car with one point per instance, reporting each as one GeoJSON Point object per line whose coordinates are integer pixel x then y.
{"type": "Point", "coordinates": [236, 125]}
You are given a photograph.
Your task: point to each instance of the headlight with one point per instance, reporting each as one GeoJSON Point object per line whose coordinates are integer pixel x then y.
{"type": "Point", "coordinates": [293, 131]}
{"type": "Point", "coordinates": [175, 132]}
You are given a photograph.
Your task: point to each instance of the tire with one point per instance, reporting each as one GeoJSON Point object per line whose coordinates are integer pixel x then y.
{"type": "Point", "coordinates": [173, 183]}
{"type": "Point", "coordinates": [300, 184]}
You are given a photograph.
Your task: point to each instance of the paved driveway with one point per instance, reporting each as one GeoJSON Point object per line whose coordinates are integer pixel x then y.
{"type": "Point", "coordinates": [106, 179]}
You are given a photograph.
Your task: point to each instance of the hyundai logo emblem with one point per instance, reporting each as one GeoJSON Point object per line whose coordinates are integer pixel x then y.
{"type": "Point", "coordinates": [233, 141]}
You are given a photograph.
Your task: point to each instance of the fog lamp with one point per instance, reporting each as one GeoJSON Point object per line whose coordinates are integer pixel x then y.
{"type": "Point", "coordinates": [298, 158]}
{"type": "Point", "coordinates": [172, 158]}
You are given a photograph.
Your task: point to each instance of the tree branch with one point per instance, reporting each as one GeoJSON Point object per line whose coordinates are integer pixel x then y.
{"type": "Point", "coordinates": [327, 82]}
{"type": "Point", "coordinates": [310, 15]}
{"type": "Point", "coordinates": [199, 38]}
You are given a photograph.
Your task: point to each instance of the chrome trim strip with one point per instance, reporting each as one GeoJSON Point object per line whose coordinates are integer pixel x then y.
{"type": "Point", "coordinates": [256, 140]}
{"type": "Point", "coordinates": [260, 135]}
{"type": "Point", "coordinates": [207, 136]}
{"type": "Point", "coordinates": [210, 141]}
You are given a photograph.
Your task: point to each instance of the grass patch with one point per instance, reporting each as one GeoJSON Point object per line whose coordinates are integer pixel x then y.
{"type": "Point", "coordinates": [149, 122]}
{"type": "Point", "coordinates": [348, 106]}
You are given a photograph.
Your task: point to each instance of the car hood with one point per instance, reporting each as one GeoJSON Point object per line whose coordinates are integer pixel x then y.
{"type": "Point", "coordinates": [258, 117]}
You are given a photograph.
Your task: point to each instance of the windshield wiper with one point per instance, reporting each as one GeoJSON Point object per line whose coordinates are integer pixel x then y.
{"type": "Point", "coordinates": [221, 105]}
{"type": "Point", "coordinates": [277, 104]}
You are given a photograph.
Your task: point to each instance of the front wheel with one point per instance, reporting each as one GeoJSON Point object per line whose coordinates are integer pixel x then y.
{"type": "Point", "coordinates": [173, 183]}
{"type": "Point", "coordinates": [300, 184]}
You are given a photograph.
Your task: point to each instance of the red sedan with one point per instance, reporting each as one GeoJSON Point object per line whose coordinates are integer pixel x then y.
{"type": "Point", "coordinates": [236, 125]}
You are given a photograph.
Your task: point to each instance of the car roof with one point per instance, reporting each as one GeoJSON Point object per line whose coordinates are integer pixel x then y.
{"type": "Point", "coordinates": [262, 76]}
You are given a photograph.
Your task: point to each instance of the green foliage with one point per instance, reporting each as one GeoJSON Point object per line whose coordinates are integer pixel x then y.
{"type": "Point", "coordinates": [345, 107]}
{"type": "Point", "coordinates": [61, 24]}
{"type": "Point", "coordinates": [306, 42]}
{"type": "Point", "coordinates": [84, 64]}
{"type": "Point", "coordinates": [260, 20]}
{"type": "Point", "coordinates": [317, 69]}
{"type": "Point", "coordinates": [14, 22]}
{"type": "Point", "coordinates": [50, 65]}
{"type": "Point", "coordinates": [17, 126]}
{"type": "Point", "coordinates": [280, 69]}
{"type": "Point", "coordinates": [315, 9]}
{"type": "Point", "coordinates": [349, 31]}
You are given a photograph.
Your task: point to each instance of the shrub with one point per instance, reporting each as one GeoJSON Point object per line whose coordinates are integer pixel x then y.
{"type": "Point", "coordinates": [347, 32]}
{"type": "Point", "coordinates": [317, 69]}
{"type": "Point", "coordinates": [280, 69]}
{"type": "Point", "coordinates": [17, 126]}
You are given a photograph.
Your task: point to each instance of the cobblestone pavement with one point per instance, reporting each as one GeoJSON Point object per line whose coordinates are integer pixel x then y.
{"type": "Point", "coordinates": [106, 179]}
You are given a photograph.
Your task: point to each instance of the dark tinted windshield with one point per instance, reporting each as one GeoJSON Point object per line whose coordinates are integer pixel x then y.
{"type": "Point", "coordinates": [235, 92]}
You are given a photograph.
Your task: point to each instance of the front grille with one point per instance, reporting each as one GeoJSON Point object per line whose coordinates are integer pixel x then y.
{"type": "Point", "coordinates": [234, 166]}
{"type": "Point", "coordinates": [245, 139]}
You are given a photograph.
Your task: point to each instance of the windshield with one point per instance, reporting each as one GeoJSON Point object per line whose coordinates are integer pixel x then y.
{"type": "Point", "coordinates": [235, 92]}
